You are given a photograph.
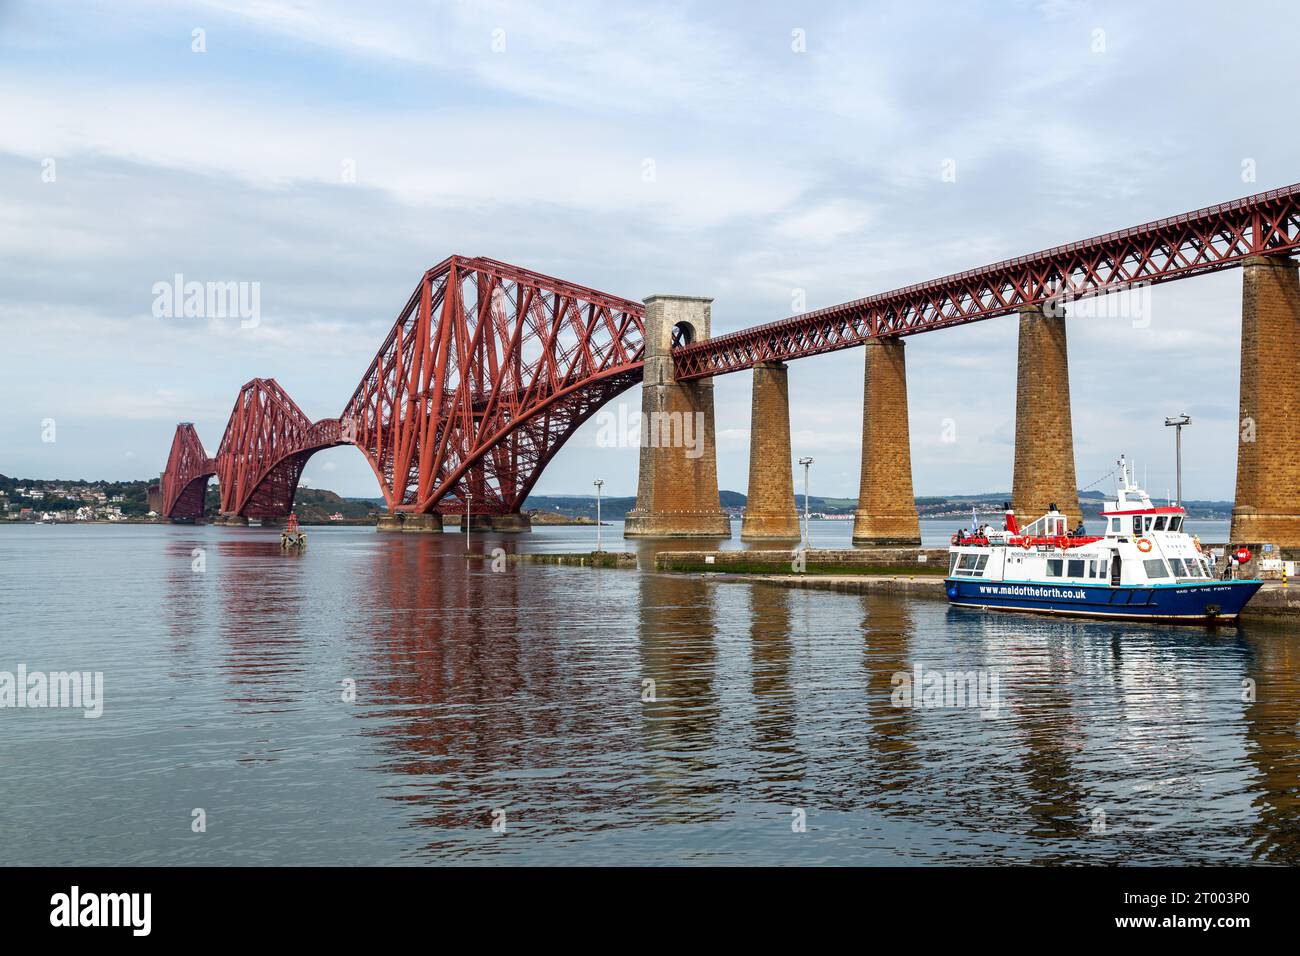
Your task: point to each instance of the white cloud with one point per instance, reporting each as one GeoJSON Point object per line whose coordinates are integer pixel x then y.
{"type": "Point", "coordinates": [824, 223]}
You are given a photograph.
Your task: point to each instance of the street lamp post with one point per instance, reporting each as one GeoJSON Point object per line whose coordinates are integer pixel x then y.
{"type": "Point", "coordinates": [1177, 422]}
{"type": "Point", "coordinates": [807, 529]}
{"type": "Point", "coordinates": [598, 484]}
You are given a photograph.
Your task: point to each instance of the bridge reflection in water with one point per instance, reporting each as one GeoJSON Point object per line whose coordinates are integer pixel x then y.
{"type": "Point", "coordinates": [481, 692]}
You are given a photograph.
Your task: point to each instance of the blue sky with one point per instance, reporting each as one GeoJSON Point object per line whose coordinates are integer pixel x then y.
{"type": "Point", "coordinates": [776, 170]}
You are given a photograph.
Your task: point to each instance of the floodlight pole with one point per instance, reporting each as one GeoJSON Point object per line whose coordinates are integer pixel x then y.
{"type": "Point", "coordinates": [1177, 423]}
{"type": "Point", "coordinates": [807, 528]}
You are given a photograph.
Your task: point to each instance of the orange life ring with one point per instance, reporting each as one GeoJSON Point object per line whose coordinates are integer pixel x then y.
{"type": "Point", "coordinates": [1143, 545]}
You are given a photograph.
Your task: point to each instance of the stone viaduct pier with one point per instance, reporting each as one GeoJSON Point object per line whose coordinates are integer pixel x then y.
{"type": "Point", "coordinates": [1258, 235]}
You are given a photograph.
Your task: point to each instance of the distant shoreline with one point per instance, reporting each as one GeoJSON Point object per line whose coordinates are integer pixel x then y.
{"type": "Point", "coordinates": [449, 520]}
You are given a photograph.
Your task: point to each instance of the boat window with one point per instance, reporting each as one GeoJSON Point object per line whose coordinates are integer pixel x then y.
{"type": "Point", "coordinates": [1176, 523]}
{"type": "Point", "coordinates": [1180, 571]}
{"type": "Point", "coordinates": [979, 565]}
{"type": "Point", "coordinates": [1146, 523]}
{"type": "Point", "coordinates": [1160, 523]}
{"type": "Point", "coordinates": [1074, 569]}
{"type": "Point", "coordinates": [1155, 568]}
{"type": "Point", "coordinates": [952, 562]}
{"type": "Point", "coordinates": [1054, 567]}
{"type": "Point", "coordinates": [967, 562]}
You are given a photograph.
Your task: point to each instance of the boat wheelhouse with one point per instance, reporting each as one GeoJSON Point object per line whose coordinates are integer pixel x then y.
{"type": "Point", "coordinates": [1143, 566]}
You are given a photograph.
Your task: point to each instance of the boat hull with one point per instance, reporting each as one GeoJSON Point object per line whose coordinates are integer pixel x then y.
{"type": "Point", "coordinates": [1191, 603]}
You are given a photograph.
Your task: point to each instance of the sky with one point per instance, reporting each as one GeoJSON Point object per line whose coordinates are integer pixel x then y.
{"type": "Point", "coordinates": [331, 152]}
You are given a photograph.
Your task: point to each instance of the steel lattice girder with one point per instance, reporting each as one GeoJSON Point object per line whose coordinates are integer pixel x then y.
{"type": "Point", "coordinates": [267, 441]}
{"type": "Point", "coordinates": [185, 480]}
{"type": "Point", "coordinates": [1216, 237]}
{"type": "Point", "coordinates": [488, 370]}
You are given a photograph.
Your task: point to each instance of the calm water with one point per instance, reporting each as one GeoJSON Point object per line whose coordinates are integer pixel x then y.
{"type": "Point", "coordinates": [521, 692]}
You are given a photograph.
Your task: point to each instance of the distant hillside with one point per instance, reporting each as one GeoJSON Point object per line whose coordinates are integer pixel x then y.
{"type": "Point", "coordinates": [317, 504]}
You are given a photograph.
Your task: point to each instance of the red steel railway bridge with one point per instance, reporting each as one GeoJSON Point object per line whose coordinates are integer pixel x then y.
{"type": "Point", "coordinates": [489, 368]}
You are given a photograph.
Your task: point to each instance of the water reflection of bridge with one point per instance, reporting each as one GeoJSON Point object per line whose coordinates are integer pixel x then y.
{"type": "Point", "coordinates": [480, 690]}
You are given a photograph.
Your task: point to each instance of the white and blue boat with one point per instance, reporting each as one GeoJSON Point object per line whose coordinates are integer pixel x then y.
{"type": "Point", "coordinates": [1144, 567]}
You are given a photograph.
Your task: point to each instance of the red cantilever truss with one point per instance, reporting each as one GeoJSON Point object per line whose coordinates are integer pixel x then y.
{"type": "Point", "coordinates": [1213, 238]}
{"type": "Point", "coordinates": [267, 441]}
{"type": "Point", "coordinates": [185, 481]}
{"type": "Point", "coordinates": [488, 370]}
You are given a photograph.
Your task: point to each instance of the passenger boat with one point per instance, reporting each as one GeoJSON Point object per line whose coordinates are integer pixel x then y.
{"type": "Point", "coordinates": [1145, 567]}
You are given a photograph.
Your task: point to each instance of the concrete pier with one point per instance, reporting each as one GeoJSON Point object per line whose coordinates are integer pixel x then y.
{"type": "Point", "coordinates": [1044, 459]}
{"type": "Point", "coordinates": [501, 524]}
{"type": "Point", "coordinates": [1268, 433]}
{"type": "Point", "coordinates": [886, 512]}
{"type": "Point", "coordinates": [409, 522]}
{"type": "Point", "coordinates": [231, 521]}
{"type": "Point", "coordinates": [677, 487]}
{"type": "Point", "coordinates": [770, 508]}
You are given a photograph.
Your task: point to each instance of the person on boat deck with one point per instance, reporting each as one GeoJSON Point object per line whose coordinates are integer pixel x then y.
{"type": "Point", "coordinates": [1079, 532]}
